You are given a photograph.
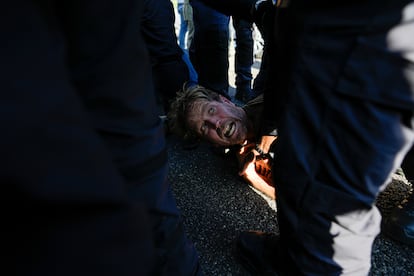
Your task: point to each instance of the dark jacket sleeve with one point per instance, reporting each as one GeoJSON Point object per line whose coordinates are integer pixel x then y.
{"type": "Point", "coordinates": [169, 70]}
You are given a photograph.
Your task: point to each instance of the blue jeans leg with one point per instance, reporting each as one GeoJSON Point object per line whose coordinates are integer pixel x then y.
{"type": "Point", "coordinates": [183, 27]}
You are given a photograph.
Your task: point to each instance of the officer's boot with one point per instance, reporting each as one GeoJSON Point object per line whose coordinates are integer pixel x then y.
{"type": "Point", "coordinates": [400, 224]}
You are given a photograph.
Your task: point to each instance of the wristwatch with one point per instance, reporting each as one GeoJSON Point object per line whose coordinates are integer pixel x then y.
{"type": "Point", "coordinates": [264, 155]}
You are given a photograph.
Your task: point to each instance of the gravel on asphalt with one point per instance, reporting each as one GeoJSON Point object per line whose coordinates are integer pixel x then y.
{"type": "Point", "coordinates": [217, 204]}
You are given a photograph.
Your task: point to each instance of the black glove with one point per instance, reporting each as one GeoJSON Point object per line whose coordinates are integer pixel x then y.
{"type": "Point", "coordinates": [262, 15]}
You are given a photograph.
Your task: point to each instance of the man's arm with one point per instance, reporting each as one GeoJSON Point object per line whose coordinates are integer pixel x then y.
{"type": "Point", "coordinates": [261, 183]}
{"type": "Point", "coordinates": [256, 172]}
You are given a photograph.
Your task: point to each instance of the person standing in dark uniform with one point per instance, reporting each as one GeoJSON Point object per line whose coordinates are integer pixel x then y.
{"type": "Point", "coordinates": [344, 70]}
{"type": "Point", "coordinates": [85, 164]}
{"type": "Point", "coordinates": [243, 59]}
{"type": "Point", "coordinates": [169, 68]}
{"type": "Point", "coordinates": [209, 49]}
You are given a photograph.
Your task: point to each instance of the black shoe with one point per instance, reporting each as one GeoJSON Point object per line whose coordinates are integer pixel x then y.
{"type": "Point", "coordinates": [244, 95]}
{"type": "Point", "coordinates": [399, 225]}
{"type": "Point", "coordinates": [257, 252]}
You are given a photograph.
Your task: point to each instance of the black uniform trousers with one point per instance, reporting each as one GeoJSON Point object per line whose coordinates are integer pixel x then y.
{"type": "Point", "coordinates": [346, 126]}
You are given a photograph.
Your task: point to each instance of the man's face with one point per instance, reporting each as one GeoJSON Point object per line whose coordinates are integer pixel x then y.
{"type": "Point", "coordinates": [220, 122]}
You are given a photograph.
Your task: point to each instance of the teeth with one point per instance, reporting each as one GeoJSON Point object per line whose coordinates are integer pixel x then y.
{"type": "Point", "coordinates": [229, 130]}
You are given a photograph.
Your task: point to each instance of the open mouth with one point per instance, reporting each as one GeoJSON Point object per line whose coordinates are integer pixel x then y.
{"type": "Point", "coordinates": [229, 130]}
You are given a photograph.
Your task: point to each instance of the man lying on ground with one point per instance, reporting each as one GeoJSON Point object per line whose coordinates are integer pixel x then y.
{"type": "Point", "coordinates": [197, 112]}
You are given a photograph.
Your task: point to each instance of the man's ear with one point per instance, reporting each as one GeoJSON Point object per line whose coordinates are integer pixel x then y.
{"type": "Point", "coordinates": [225, 100]}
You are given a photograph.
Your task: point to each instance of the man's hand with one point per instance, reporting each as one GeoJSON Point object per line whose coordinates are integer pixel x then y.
{"type": "Point", "coordinates": [250, 173]}
{"type": "Point", "coordinates": [256, 169]}
{"type": "Point", "coordinates": [263, 168]}
{"type": "Point", "coordinates": [246, 156]}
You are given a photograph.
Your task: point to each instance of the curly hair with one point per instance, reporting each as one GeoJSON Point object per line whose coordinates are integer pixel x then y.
{"type": "Point", "coordinates": [182, 104]}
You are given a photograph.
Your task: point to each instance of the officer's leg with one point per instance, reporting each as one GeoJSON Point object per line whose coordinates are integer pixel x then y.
{"type": "Point", "coordinates": [243, 59]}
{"type": "Point", "coordinates": [346, 129]}
{"type": "Point", "coordinates": [210, 42]}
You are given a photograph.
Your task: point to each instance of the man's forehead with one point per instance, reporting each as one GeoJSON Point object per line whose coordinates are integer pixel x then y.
{"type": "Point", "coordinates": [195, 112]}
{"type": "Point", "coordinates": [197, 106]}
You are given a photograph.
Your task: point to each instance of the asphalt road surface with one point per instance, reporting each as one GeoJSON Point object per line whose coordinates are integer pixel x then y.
{"type": "Point", "coordinates": [217, 205]}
